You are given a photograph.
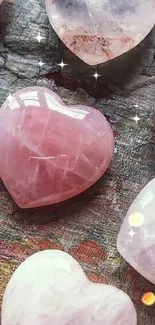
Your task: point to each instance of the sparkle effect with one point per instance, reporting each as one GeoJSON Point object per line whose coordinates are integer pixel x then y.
{"type": "Point", "coordinates": [62, 64]}
{"type": "Point", "coordinates": [9, 97]}
{"type": "Point", "coordinates": [96, 75]}
{"type": "Point", "coordinates": [39, 37]}
{"type": "Point", "coordinates": [131, 233]}
{"type": "Point", "coordinates": [136, 118]}
{"type": "Point", "coordinates": [41, 63]}
{"type": "Point", "coordinates": [148, 298]}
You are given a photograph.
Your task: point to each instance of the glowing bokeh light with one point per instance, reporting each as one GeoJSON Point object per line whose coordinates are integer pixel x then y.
{"type": "Point", "coordinates": [136, 219]}
{"type": "Point", "coordinates": [148, 298]}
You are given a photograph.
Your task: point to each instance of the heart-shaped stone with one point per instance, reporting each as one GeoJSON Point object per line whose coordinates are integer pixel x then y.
{"type": "Point", "coordinates": [50, 152]}
{"type": "Point", "coordinates": [50, 287]}
{"type": "Point", "coordinates": [136, 239]}
{"type": "Point", "coordinates": [98, 31]}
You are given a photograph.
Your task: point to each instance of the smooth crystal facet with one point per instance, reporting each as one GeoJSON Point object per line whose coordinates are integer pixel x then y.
{"type": "Point", "coordinates": [136, 239]}
{"type": "Point", "coordinates": [50, 288]}
{"type": "Point", "coordinates": [50, 152]}
{"type": "Point", "coordinates": [98, 31]}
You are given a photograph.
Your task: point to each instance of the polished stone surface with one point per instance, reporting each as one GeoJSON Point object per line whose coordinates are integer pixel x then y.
{"type": "Point", "coordinates": [98, 31]}
{"type": "Point", "coordinates": [50, 152]}
{"type": "Point", "coordinates": [50, 287]}
{"type": "Point", "coordinates": [136, 239]}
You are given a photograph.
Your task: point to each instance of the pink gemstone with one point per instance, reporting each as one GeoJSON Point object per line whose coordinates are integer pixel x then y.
{"type": "Point", "coordinates": [50, 288]}
{"type": "Point", "coordinates": [98, 31]}
{"type": "Point", "coordinates": [136, 239]}
{"type": "Point", "coordinates": [50, 152]}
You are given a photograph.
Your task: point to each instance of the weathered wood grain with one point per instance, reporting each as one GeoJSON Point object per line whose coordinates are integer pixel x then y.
{"type": "Point", "coordinates": [87, 225]}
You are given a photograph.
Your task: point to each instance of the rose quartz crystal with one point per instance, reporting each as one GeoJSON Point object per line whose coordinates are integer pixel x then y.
{"type": "Point", "coordinates": [136, 240]}
{"type": "Point", "coordinates": [100, 30]}
{"type": "Point", "coordinates": [50, 288]}
{"type": "Point", "coordinates": [50, 152]}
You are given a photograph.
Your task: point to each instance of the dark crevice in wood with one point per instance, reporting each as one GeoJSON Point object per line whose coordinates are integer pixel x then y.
{"type": "Point", "coordinates": [96, 90]}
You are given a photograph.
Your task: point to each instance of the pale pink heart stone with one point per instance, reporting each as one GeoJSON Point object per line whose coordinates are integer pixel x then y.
{"type": "Point", "coordinates": [50, 152]}
{"type": "Point", "coordinates": [98, 31]}
{"type": "Point", "coordinates": [136, 239]}
{"type": "Point", "coordinates": [50, 288]}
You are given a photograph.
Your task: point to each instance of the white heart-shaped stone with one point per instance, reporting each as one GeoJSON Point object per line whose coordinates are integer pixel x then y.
{"type": "Point", "coordinates": [50, 288]}
{"type": "Point", "coordinates": [136, 239]}
{"type": "Point", "coordinates": [98, 31]}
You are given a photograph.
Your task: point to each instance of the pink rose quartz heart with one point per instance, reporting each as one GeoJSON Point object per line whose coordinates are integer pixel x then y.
{"type": "Point", "coordinates": [50, 152]}
{"type": "Point", "coordinates": [50, 288]}
{"type": "Point", "coordinates": [98, 31]}
{"type": "Point", "coordinates": [136, 239]}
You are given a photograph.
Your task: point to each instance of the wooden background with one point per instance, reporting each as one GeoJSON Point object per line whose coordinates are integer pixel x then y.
{"type": "Point", "coordinates": [86, 226]}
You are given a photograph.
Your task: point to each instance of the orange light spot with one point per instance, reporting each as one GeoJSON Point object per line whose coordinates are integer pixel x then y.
{"type": "Point", "coordinates": [148, 298]}
{"type": "Point", "coordinates": [136, 219]}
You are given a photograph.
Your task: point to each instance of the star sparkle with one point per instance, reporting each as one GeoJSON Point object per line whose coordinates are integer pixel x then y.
{"type": "Point", "coordinates": [136, 118]}
{"type": "Point", "coordinates": [39, 37]}
{"type": "Point", "coordinates": [62, 64]}
{"type": "Point", "coordinates": [96, 75]}
{"type": "Point", "coordinates": [9, 97]}
{"type": "Point", "coordinates": [131, 233]}
{"type": "Point", "coordinates": [40, 63]}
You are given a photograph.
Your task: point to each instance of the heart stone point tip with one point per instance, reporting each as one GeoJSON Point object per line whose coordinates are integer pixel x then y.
{"type": "Point", "coordinates": [50, 287]}
{"type": "Point", "coordinates": [98, 31]}
{"type": "Point", "coordinates": [51, 152]}
{"type": "Point", "coordinates": [136, 239]}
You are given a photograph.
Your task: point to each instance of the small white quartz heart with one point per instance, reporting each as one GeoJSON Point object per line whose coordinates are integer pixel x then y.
{"type": "Point", "coordinates": [50, 288]}
{"type": "Point", "coordinates": [136, 239]}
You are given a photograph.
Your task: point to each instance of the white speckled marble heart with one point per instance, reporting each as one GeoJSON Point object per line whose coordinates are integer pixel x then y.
{"type": "Point", "coordinates": [50, 288]}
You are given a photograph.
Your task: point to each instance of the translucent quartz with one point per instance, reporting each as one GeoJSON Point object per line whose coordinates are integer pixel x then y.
{"type": "Point", "coordinates": [136, 240]}
{"type": "Point", "coordinates": [50, 152]}
{"type": "Point", "coordinates": [50, 288]}
{"type": "Point", "coordinates": [100, 30]}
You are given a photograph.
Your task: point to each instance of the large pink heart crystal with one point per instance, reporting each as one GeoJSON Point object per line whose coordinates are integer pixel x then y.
{"type": "Point", "coordinates": [50, 288]}
{"type": "Point", "coordinates": [136, 240]}
{"type": "Point", "coordinates": [50, 152]}
{"type": "Point", "coordinates": [98, 31]}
